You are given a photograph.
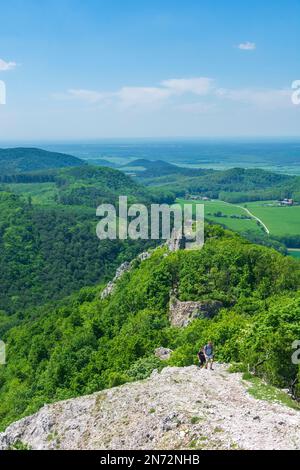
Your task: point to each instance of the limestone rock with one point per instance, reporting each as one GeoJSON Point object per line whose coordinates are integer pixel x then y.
{"type": "Point", "coordinates": [178, 408]}
{"type": "Point", "coordinates": [182, 313]}
{"type": "Point", "coordinates": [145, 255]}
{"type": "Point", "coordinates": [163, 353]}
{"type": "Point", "coordinates": [125, 267]}
{"type": "Point", "coordinates": [176, 242]}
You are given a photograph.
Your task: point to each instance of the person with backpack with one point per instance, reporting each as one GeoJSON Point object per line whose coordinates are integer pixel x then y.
{"type": "Point", "coordinates": [209, 354]}
{"type": "Point", "coordinates": [201, 357]}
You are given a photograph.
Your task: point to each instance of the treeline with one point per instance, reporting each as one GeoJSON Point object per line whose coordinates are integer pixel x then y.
{"type": "Point", "coordinates": [292, 241]}
{"type": "Point", "coordinates": [251, 196]}
{"type": "Point", "coordinates": [35, 177]}
{"type": "Point", "coordinates": [90, 185]}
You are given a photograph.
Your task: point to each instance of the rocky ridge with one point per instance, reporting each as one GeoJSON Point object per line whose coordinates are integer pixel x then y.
{"type": "Point", "coordinates": [179, 408]}
{"type": "Point", "coordinates": [122, 269]}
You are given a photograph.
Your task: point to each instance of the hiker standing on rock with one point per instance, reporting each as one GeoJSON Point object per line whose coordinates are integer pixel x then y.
{"type": "Point", "coordinates": [209, 354]}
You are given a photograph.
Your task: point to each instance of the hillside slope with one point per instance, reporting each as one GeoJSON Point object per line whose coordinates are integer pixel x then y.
{"type": "Point", "coordinates": [46, 253]}
{"type": "Point", "coordinates": [16, 160]}
{"type": "Point", "coordinates": [244, 299]}
{"type": "Point", "coordinates": [233, 185]}
{"type": "Point", "coordinates": [179, 408]}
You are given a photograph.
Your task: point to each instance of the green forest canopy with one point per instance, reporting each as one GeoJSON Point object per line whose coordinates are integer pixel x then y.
{"type": "Point", "coordinates": [84, 344]}
{"type": "Point", "coordinates": [16, 160]}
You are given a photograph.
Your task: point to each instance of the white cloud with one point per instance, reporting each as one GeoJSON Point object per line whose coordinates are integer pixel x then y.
{"type": "Point", "coordinates": [175, 90]}
{"type": "Point", "coordinates": [135, 96]}
{"type": "Point", "coordinates": [262, 98]}
{"type": "Point", "coordinates": [198, 86]}
{"type": "Point", "coordinates": [196, 108]}
{"type": "Point", "coordinates": [5, 66]}
{"type": "Point", "coordinates": [247, 46]}
{"type": "Point", "coordinates": [128, 96]}
{"type": "Point", "coordinates": [89, 96]}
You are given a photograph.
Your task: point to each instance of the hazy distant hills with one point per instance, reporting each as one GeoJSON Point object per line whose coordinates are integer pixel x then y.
{"type": "Point", "coordinates": [157, 168]}
{"type": "Point", "coordinates": [211, 182]}
{"type": "Point", "coordinates": [101, 162]}
{"type": "Point", "coordinates": [18, 160]}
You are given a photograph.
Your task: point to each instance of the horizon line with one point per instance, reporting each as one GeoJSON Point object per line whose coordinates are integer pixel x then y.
{"type": "Point", "coordinates": [84, 140]}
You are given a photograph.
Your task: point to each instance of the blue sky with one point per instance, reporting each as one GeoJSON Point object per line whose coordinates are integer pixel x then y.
{"type": "Point", "coordinates": [101, 69]}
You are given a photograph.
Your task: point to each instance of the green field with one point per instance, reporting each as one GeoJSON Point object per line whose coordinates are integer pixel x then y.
{"type": "Point", "coordinates": [295, 253]}
{"type": "Point", "coordinates": [222, 213]}
{"type": "Point", "coordinates": [279, 220]}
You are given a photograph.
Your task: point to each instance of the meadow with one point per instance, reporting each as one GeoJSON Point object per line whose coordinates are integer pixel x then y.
{"type": "Point", "coordinates": [231, 216]}
{"type": "Point", "coordinates": [280, 221]}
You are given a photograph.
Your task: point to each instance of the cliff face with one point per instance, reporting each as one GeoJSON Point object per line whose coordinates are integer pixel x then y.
{"type": "Point", "coordinates": [179, 408]}
{"type": "Point", "coordinates": [181, 314]}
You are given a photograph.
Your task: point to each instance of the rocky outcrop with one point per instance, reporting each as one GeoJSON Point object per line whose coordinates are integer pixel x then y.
{"type": "Point", "coordinates": [179, 408]}
{"type": "Point", "coordinates": [144, 256]}
{"type": "Point", "coordinates": [124, 268]}
{"type": "Point", "coordinates": [176, 241]}
{"type": "Point", "coordinates": [163, 353]}
{"type": "Point", "coordinates": [186, 239]}
{"type": "Point", "coordinates": [182, 314]}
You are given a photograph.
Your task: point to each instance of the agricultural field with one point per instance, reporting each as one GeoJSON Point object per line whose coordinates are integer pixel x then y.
{"type": "Point", "coordinates": [274, 220]}
{"type": "Point", "coordinates": [280, 221]}
{"type": "Point", "coordinates": [231, 216]}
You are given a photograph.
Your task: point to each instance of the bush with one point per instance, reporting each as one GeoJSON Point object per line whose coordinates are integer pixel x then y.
{"type": "Point", "coordinates": [143, 367]}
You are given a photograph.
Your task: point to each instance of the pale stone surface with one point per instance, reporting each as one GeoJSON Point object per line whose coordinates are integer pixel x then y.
{"type": "Point", "coordinates": [163, 353]}
{"type": "Point", "coordinates": [182, 314]}
{"type": "Point", "coordinates": [124, 268]}
{"type": "Point", "coordinates": [179, 408]}
{"type": "Point", "coordinates": [176, 242]}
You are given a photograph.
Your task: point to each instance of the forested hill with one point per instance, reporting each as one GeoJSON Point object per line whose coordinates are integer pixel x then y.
{"type": "Point", "coordinates": [48, 242]}
{"type": "Point", "coordinates": [233, 185]}
{"type": "Point", "coordinates": [150, 169]}
{"type": "Point", "coordinates": [86, 344]}
{"type": "Point", "coordinates": [91, 186]}
{"type": "Point", "coordinates": [17, 160]}
{"type": "Point", "coordinates": [48, 252]}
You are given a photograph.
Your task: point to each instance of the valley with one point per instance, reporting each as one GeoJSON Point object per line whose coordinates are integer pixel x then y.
{"type": "Point", "coordinates": [66, 340]}
{"type": "Point", "coordinates": [149, 232]}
